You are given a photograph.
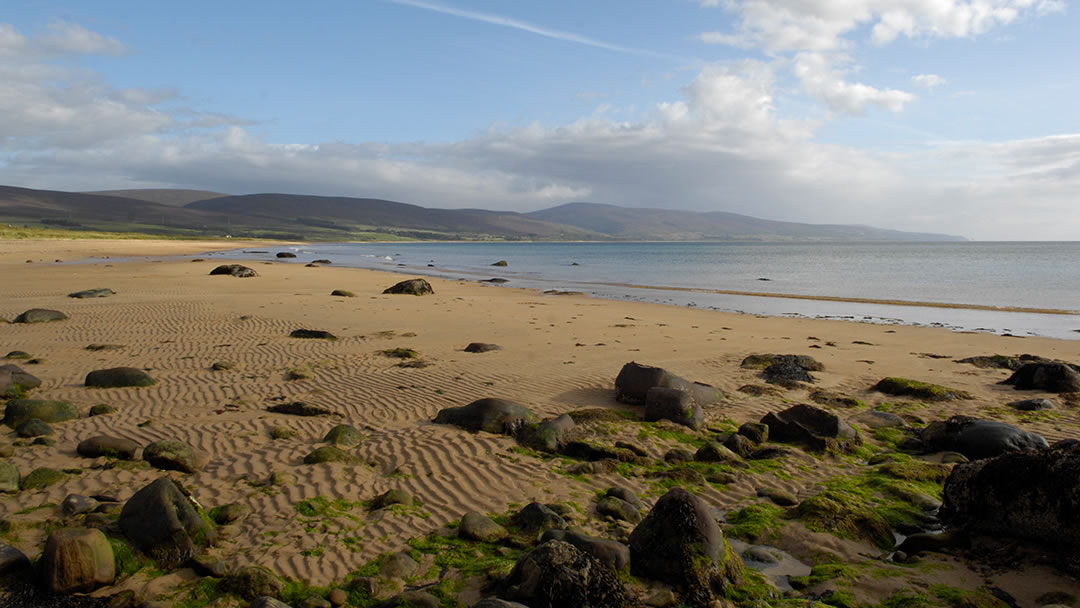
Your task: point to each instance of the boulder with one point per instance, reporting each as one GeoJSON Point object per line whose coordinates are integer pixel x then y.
{"type": "Point", "coordinates": [481, 347]}
{"type": "Point", "coordinates": [40, 315]}
{"type": "Point", "coordinates": [299, 408]}
{"type": "Point", "coordinates": [613, 554]}
{"type": "Point", "coordinates": [41, 478]}
{"type": "Point", "coordinates": [902, 387]}
{"type": "Point", "coordinates": [812, 427]}
{"type": "Point", "coordinates": [33, 428]}
{"type": "Point", "coordinates": [716, 452]}
{"type": "Point", "coordinates": [762, 362]}
{"type": "Point", "coordinates": [265, 601]}
{"type": "Point", "coordinates": [498, 416]}
{"type": "Point", "coordinates": [9, 477]}
{"type": "Point", "coordinates": [1050, 376]}
{"type": "Point", "coordinates": [230, 513]}
{"type": "Point", "coordinates": [634, 381]}
{"type": "Point", "coordinates": [846, 515]}
{"type": "Point", "coordinates": [236, 270]}
{"type": "Point", "coordinates": [251, 582]}
{"type": "Point", "coordinates": [413, 287]}
{"type": "Point", "coordinates": [103, 445]}
{"type": "Point", "coordinates": [392, 497]}
{"type": "Point", "coordinates": [14, 382]}
{"type": "Point", "coordinates": [118, 377]}
{"type": "Point", "coordinates": [329, 453]}
{"type": "Point", "coordinates": [740, 445]}
{"type": "Point", "coordinates": [679, 543]}
{"type": "Point", "coordinates": [494, 602]}
{"type": "Point", "coordinates": [175, 455]}
{"type": "Point", "coordinates": [103, 292]}
{"type": "Point", "coordinates": [1031, 405]}
{"type": "Point", "coordinates": [755, 431]}
{"type": "Point", "coordinates": [475, 526]}
{"type": "Point", "coordinates": [411, 599]}
{"type": "Point", "coordinates": [101, 409]}
{"type": "Point", "coordinates": [618, 509]}
{"type": "Point", "coordinates": [165, 524]}
{"type": "Point", "coordinates": [559, 575]}
{"type": "Point", "coordinates": [548, 436]}
{"type": "Point", "coordinates": [19, 411]}
{"type": "Point", "coordinates": [786, 370]}
{"type": "Point", "coordinates": [285, 254]}
{"type": "Point", "coordinates": [398, 565]}
{"type": "Point", "coordinates": [73, 504]}
{"type": "Point", "coordinates": [675, 405]}
{"type": "Point", "coordinates": [500, 263]}
{"type": "Point", "coordinates": [976, 438]}
{"type": "Point", "coordinates": [12, 560]}
{"type": "Point", "coordinates": [76, 560]}
{"type": "Point", "coordinates": [879, 420]}
{"type": "Point", "coordinates": [312, 334]}
{"type": "Point", "coordinates": [343, 435]}
{"type": "Point", "coordinates": [1031, 495]}
{"type": "Point", "coordinates": [536, 517]}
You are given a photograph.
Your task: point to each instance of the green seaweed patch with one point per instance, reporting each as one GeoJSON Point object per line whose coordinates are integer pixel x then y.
{"type": "Point", "coordinates": [847, 516]}
{"type": "Point", "coordinates": [836, 400]}
{"type": "Point", "coordinates": [602, 414]}
{"type": "Point", "coordinates": [842, 573]}
{"type": "Point", "coordinates": [891, 437]}
{"type": "Point", "coordinates": [202, 593]}
{"type": "Point", "coordinates": [963, 598]}
{"type": "Point", "coordinates": [902, 387]}
{"type": "Point", "coordinates": [401, 353]}
{"type": "Point", "coordinates": [752, 522]}
{"type": "Point", "coordinates": [323, 507]}
{"type": "Point", "coordinates": [469, 558]}
{"type": "Point", "coordinates": [656, 431]}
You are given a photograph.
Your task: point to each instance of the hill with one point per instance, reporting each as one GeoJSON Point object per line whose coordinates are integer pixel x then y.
{"type": "Point", "coordinates": [174, 197]}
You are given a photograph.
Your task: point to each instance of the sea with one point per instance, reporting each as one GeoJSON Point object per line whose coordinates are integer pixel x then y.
{"type": "Point", "coordinates": [962, 286]}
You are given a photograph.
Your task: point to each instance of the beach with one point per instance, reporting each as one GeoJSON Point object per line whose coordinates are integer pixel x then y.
{"type": "Point", "coordinates": [558, 354]}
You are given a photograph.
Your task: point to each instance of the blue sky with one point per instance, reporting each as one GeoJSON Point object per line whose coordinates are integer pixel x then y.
{"type": "Point", "coordinates": [956, 116]}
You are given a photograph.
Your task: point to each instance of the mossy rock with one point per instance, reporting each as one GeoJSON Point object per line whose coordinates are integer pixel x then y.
{"type": "Point", "coordinates": [101, 409]}
{"type": "Point", "coordinates": [42, 478]}
{"type": "Point", "coordinates": [19, 411]}
{"type": "Point", "coordinates": [902, 387]}
{"type": "Point", "coordinates": [329, 453]}
{"type": "Point", "coordinates": [343, 293]}
{"type": "Point", "coordinates": [251, 582]}
{"type": "Point", "coordinates": [401, 353]}
{"type": "Point", "coordinates": [40, 315]}
{"type": "Point", "coordinates": [9, 478]}
{"type": "Point", "coordinates": [914, 470]}
{"type": "Point", "coordinates": [119, 377]}
{"type": "Point", "coordinates": [846, 516]}
{"type": "Point", "coordinates": [282, 432]}
{"type": "Point", "coordinates": [343, 435]}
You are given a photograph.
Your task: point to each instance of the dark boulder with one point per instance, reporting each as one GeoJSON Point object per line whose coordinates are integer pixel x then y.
{"type": "Point", "coordinates": [117, 377]}
{"type": "Point", "coordinates": [251, 582]}
{"type": "Point", "coordinates": [12, 560]}
{"type": "Point", "coordinates": [1031, 405]}
{"type": "Point", "coordinates": [617, 509]}
{"type": "Point", "coordinates": [40, 315]}
{"type": "Point", "coordinates": [1032, 495]}
{"type": "Point", "coordinates": [175, 455]}
{"type": "Point", "coordinates": [740, 444]}
{"type": "Point", "coordinates": [754, 431]}
{"type": "Point", "coordinates": [977, 438]}
{"type": "Point", "coordinates": [675, 405]}
{"type": "Point", "coordinates": [103, 292]}
{"type": "Point", "coordinates": [19, 411]}
{"type": "Point", "coordinates": [481, 347]}
{"type": "Point", "coordinates": [548, 436]}
{"type": "Point", "coordinates": [236, 270]}
{"type": "Point", "coordinates": [612, 553]}
{"type": "Point", "coordinates": [33, 428]}
{"type": "Point", "coordinates": [559, 575]}
{"type": "Point", "coordinates": [1050, 376]}
{"type": "Point", "coordinates": [679, 543]}
{"type": "Point", "coordinates": [165, 524]}
{"type": "Point", "coordinates": [806, 362]}
{"type": "Point", "coordinates": [76, 560]}
{"type": "Point", "coordinates": [392, 497]}
{"type": "Point", "coordinates": [634, 381]}
{"type": "Point", "coordinates": [412, 287]}
{"type": "Point", "coordinates": [500, 263]}
{"type": "Point", "coordinates": [497, 416]}
{"type": "Point", "coordinates": [536, 517]}
{"type": "Point", "coordinates": [103, 445]}
{"type": "Point", "coordinates": [14, 382]}
{"type": "Point", "coordinates": [786, 371]}
{"type": "Point", "coordinates": [285, 254]}
{"type": "Point", "coordinates": [299, 408]}
{"type": "Point", "coordinates": [813, 428]}
{"type": "Point", "coordinates": [312, 334]}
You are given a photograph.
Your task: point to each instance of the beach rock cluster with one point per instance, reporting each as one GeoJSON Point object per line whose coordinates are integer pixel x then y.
{"type": "Point", "coordinates": [413, 287]}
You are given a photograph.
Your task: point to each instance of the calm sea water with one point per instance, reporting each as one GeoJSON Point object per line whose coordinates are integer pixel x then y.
{"type": "Point", "coordinates": [1031, 275]}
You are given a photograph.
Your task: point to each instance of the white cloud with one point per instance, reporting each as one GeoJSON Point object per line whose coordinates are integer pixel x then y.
{"type": "Point", "coordinates": [823, 82]}
{"type": "Point", "coordinates": [927, 81]}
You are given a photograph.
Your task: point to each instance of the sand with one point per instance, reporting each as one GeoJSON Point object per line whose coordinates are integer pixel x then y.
{"type": "Point", "coordinates": [559, 353]}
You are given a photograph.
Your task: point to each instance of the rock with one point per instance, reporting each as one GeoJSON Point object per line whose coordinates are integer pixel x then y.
{"type": "Point", "coordinates": [661, 598]}
{"type": "Point", "coordinates": [923, 542]}
{"type": "Point", "coordinates": [265, 601]}
{"type": "Point", "coordinates": [299, 408]}
{"type": "Point", "coordinates": [634, 381]}
{"type": "Point", "coordinates": [312, 334]}
{"type": "Point", "coordinates": [619, 509]}
{"type": "Point", "coordinates": [547, 436]}
{"type": "Point", "coordinates": [481, 347]}
{"type": "Point", "coordinates": [740, 445]}
{"type": "Point", "coordinates": [755, 431]}
{"type": "Point", "coordinates": [282, 432]}
{"type": "Point", "coordinates": [975, 438]}
{"type": "Point", "coordinates": [19, 411]}
{"type": "Point", "coordinates": [625, 495]}
{"type": "Point", "coordinates": [779, 496]}
{"type": "Point", "coordinates": [12, 560]}
{"type": "Point", "coordinates": [1050, 376]}
{"type": "Point", "coordinates": [165, 524]}
{"type": "Point", "coordinates": [715, 452]}
{"type": "Point", "coordinates": [222, 366]}
{"type": "Point", "coordinates": [40, 315]}
{"type": "Point", "coordinates": [994, 361]}
{"type": "Point", "coordinates": [762, 362]}
{"type": "Point", "coordinates": [879, 420]}
{"type": "Point", "coordinates": [600, 467]}
{"type": "Point", "coordinates": [175, 455]}
{"type": "Point", "coordinates": [230, 513]}
{"type": "Point", "coordinates": [536, 517]}
{"type": "Point", "coordinates": [760, 554]}
{"type": "Point", "coordinates": [119, 377]}
{"type": "Point", "coordinates": [9, 478]}
{"type": "Point", "coordinates": [103, 445]}
{"type": "Point", "coordinates": [285, 254]}
{"type": "Point", "coordinates": [343, 293]}
{"type": "Point", "coordinates": [414, 287]}
{"type": "Point", "coordinates": [251, 582]}
{"type": "Point", "coordinates": [497, 416]}
{"type": "Point", "coordinates": [314, 601]}
{"type": "Point", "coordinates": [675, 405]}
{"type": "Point", "coordinates": [14, 382]}
{"type": "Point", "coordinates": [322, 261]}
{"type": "Point", "coordinates": [33, 428]}
{"type": "Point", "coordinates": [679, 543]}
{"type": "Point", "coordinates": [475, 526]}
{"type": "Point", "coordinates": [678, 455]}
{"type": "Point", "coordinates": [786, 370]}
{"type": "Point", "coordinates": [812, 427]}
{"type": "Point", "coordinates": [845, 515]}
{"type": "Point", "coordinates": [101, 409]}
{"type": "Point", "coordinates": [18, 354]}
{"type": "Point", "coordinates": [41, 478]}
{"type": "Point", "coordinates": [558, 575]}
{"type": "Point", "coordinates": [1031, 405]}
{"type": "Point", "coordinates": [500, 263]}
{"type": "Point", "coordinates": [412, 599]}
{"type": "Point", "coordinates": [494, 602]}
{"type": "Point", "coordinates": [237, 270]}
{"type": "Point", "coordinates": [103, 292]}
{"type": "Point", "coordinates": [902, 387]}
{"type": "Point", "coordinates": [1031, 494]}
{"type": "Point", "coordinates": [73, 504]}
{"type": "Point", "coordinates": [337, 597]}
{"type": "Point", "coordinates": [6, 450]}
{"type": "Point", "coordinates": [281, 478]}
{"type": "Point", "coordinates": [329, 453]}
{"type": "Point", "coordinates": [611, 553]}
{"type": "Point", "coordinates": [343, 435]}
{"type": "Point", "coordinates": [392, 497]}
{"type": "Point", "coordinates": [398, 565]}
{"type": "Point", "coordinates": [497, 281]}
{"type": "Point", "coordinates": [588, 451]}
{"type": "Point", "coordinates": [76, 560]}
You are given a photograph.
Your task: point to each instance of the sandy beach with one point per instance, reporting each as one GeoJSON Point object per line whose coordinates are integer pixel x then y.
{"type": "Point", "coordinates": [558, 354]}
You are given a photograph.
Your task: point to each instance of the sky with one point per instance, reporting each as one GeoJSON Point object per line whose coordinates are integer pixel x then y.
{"type": "Point", "coordinates": [948, 116]}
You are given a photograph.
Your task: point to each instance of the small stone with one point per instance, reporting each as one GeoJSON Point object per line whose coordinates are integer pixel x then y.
{"type": "Point", "coordinates": [9, 478]}
{"type": "Point", "coordinates": [661, 598]}
{"type": "Point", "coordinates": [398, 565]}
{"type": "Point", "coordinates": [227, 514]}
{"type": "Point", "coordinates": [280, 478]}
{"type": "Point", "coordinates": [779, 496]}
{"type": "Point", "coordinates": [74, 504]}
{"type": "Point", "coordinates": [475, 526]}
{"type": "Point", "coordinates": [282, 432]}
{"type": "Point", "coordinates": [101, 409]}
{"type": "Point", "coordinates": [175, 455]}
{"type": "Point", "coordinates": [337, 597]}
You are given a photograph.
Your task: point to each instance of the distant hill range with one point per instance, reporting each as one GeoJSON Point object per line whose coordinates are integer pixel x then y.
{"type": "Point", "coordinates": [305, 217]}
